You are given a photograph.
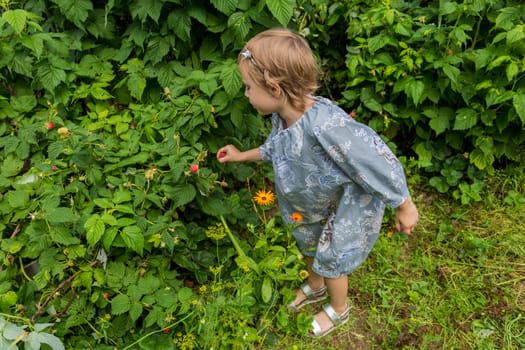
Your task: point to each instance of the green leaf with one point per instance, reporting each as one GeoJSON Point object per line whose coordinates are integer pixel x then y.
{"type": "Point", "coordinates": [61, 215]}
{"type": "Point", "coordinates": [121, 195]}
{"type": "Point", "coordinates": [518, 101]}
{"type": "Point", "coordinates": [225, 6]}
{"type": "Point", "coordinates": [425, 156]}
{"type": "Point", "coordinates": [447, 7]}
{"type": "Point", "coordinates": [266, 290]}
{"type": "Point", "coordinates": [120, 304]}
{"type": "Point", "coordinates": [143, 8]}
{"type": "Point", "coordinates": [180, 22]}
{"type": "Point", "coordinates": [414, 89]}
{"type": "Point", "coordinates": [133, 238]}
{"type": "Point", "coordinates": [240, 23]}
{"type": "Point", "coordinates": [11, 165]}
{"type": "Point", "coordinates": [17, 19]}
{"type": "Point", "coordinates": [377, 42]}
{"type": "Point", "coordinates": [515, 34]}
{"type": "Point", "coordinates": [76, 11]}
{"type": "Point", "coordinates": [95, 228]}
{"type": "Point", "coordinates": [231, 78]}
{"type": "Point", "coordinates": [182, 194]}
{"type": "Point", "coordinates": [18, 199]}
{"type": "Point", "coordinates": [370, 101]}
{"type": "Point", "coordinates": [208, 86]}
{"type": "Point", "coordinates": [485, 144]}
{"type": "Point", "coordinates": [103, 203]}
{"type": "Point", "coordinates": [466, 118]}
{"type": "Point", "coordinates": [451, 72]}
{"type": "Point", "coordinates": [135, 311]}
{"type": "Point", "coordinates": [282, 10]}
{"type": "Point", "coordinates": [480, 159]}
{"type": "Point", "coordinates": [50, 76]}
{"type": "Point", "coordinates": [136, 85]}
{"type": "Point", "coordinates": [440, 119]}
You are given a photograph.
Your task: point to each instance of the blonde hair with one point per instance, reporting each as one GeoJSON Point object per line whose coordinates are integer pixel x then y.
{"type": "Point", "coordinates": [279, 56]}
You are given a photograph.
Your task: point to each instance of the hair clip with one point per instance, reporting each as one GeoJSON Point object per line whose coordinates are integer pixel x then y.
{"type": "Point", "coordinates": [246, 54]}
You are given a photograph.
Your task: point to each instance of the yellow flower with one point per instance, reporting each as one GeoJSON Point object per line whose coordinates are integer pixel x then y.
{"type": "Point", "coordinates": [304, 274]}
{"type": "Point", "coordinates": [216, 232]}
{"type": "Point", "coordinates": [263, 197]}
{"type": "Point", "coordinates": [297, 217]}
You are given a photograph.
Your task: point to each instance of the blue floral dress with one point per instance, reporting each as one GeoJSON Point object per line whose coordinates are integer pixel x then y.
{"type": "Point", "coordinates": [338, 175]}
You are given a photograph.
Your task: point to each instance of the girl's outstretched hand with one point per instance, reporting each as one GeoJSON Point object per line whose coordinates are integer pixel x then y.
{"type": "Point", "coordinates": [228, 153]}
{"type": "Point", "coordinates": [406, 217]}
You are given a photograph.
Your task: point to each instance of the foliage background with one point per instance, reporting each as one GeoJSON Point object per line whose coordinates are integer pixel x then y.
{"type": "Point", "coordinates": [105, 106]}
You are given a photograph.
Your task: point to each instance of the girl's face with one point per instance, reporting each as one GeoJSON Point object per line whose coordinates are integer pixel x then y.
{"type": "Point", "coordinates": [260, 97]}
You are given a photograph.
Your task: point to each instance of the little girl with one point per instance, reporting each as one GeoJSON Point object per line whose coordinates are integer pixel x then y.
{"type": "Point", "coordinates": [332, 172]}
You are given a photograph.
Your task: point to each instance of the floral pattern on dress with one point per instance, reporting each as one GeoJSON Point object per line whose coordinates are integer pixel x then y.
{"type": "Point", "coordinates": [339, 175]}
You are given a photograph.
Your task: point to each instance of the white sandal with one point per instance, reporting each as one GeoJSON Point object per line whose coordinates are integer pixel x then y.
{"type": "Point", "coordinates": [311, 296]}
{"type": "Point", "coordinates": [337, 321]}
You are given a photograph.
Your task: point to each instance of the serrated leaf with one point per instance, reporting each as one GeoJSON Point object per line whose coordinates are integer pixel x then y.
{"type": "Point", "coordinates": [240, 23]}
{"type": "Point", "coordinates": [35, 43]}
{"type": "Point", "coordinates": [414, 89]}
{"type": "Point", "coordinates": [95, 228]}
{"type": "Point", "coordinates": [480, 159]}
{"type": "Point", "coordinates": [424, 155]}
{"type": "Point", "coordinates": [208, 86]}
{"type": "Point", "coordinates": [231, 78]}
{"type": "Point", "coordinates": [441, 121]}
{"type": "Point", "coordinates": [120, 304]}
{"type": "Point", "coordinates": [282, 10]}
{"type": "Point", "coordinates": [50, 76]}
{"type": "Point", "coordinates": [135, 311]}
{"type": "Point", "coordinates": [180, 22]}
{"type": "Point", "coordinates": [11, 165]}
{"type": "Point", "coordinates": [515, 34]}
{"type": "Point", "coordinates": [143, 8]}
{"type": "Point", "coordinates": [156, 315]}
{"type": "Point", "coordinates": [103, 203]}
{"type": "Point", "coordinates": [17, 19]}
{"type": "Point", "coordinates": [466, 118]}
{"type": "Point", "coordinates": [183, 194]}
{"type": "Point", "coordinates": [518, 101]}
{"type": "Point", "coordinates": [121, 195]}
{"type": "Point", "coordinates": [369, 100]}
{"type": "Point", "coordinates": [451, 72]}
{"type": "Point", "coordinates": [75, 11]}
{"type": "Point", "coordinates": [133, 238]}
{"type": "Point", "coordinates": [136, 85]}
{"type": "Point", "coordinates": [225, 6]}
{"type": "Point", "coordinates": [61, 215]}
{"type": "Point", "coordinates": [18, 199]}
{"type": "Point", "coordinates": [377, 42]}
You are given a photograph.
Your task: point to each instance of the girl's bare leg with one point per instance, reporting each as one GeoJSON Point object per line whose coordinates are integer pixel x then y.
{"type": "Point", "coordinates": [338, 292]}
{"type": "Point", "coordinates": [315, 281]}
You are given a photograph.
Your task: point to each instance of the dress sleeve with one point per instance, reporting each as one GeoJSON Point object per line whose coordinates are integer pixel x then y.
{"type": "Point", "coordinates": [362, 156]}
{"type": "Point", "coordinates": [266, 149]}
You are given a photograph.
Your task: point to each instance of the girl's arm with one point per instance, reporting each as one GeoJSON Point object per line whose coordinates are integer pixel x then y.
{"type": "Point", "coordinates": [230, 153]}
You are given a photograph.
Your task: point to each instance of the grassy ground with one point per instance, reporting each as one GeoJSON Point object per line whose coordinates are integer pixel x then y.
{"type": "Point", "coordinates": [457, 283]}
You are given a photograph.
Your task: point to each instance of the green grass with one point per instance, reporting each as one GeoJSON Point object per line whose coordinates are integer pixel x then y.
{"type": "Point", "coordinates": [457, 283]}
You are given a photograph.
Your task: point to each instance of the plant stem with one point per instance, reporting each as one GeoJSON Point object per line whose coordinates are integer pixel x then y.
{"type": "Point", "coordinates": [156, 331]}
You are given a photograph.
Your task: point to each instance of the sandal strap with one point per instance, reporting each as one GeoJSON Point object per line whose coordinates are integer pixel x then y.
{"type": "Point", "coordinates": [333, 316]}
{"type": "Point", "coordinates": [310, 293]}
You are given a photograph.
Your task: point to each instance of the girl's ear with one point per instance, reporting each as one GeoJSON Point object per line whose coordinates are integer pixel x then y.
{"type": "Point", "coordinates": [275, 88]}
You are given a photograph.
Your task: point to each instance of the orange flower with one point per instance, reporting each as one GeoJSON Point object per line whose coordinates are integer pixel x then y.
{"type": "Point", "coordinates": [297, 217]}
{"type": "Point", "coordinates": [263, 197]}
